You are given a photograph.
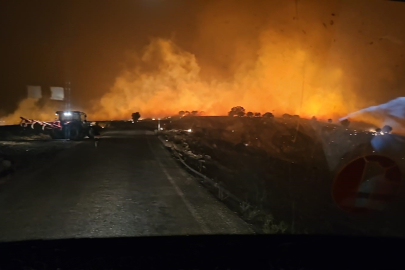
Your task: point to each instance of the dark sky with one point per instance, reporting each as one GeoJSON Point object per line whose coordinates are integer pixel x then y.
{"type": "Point", "coordinates": [48, 42]}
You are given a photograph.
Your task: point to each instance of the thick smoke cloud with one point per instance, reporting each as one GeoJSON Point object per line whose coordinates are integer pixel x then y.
{"type": "Point", "coordinates": [323, 58]}
{"type": "Point", "coordinates": [301, 57]}
{"type": "Point", "coordinates": [31, 108]}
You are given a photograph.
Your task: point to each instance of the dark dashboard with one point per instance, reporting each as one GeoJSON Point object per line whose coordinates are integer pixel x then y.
{"type": "Point", "coordinates": [205, 252]}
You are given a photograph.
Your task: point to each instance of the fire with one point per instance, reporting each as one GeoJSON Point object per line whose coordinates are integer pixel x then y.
{"type": "Point", "coordinates": [276, 83]}
{"type": "Point", "coordinates": [311, 58]}
{"type": "Point", "coordinates": [287, 65]}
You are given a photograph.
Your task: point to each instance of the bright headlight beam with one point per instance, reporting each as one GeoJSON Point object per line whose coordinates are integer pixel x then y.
{"type": "Point", "coordinates": [67, 114]}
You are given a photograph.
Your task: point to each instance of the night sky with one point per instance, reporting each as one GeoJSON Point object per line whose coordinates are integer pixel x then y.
{"type": "Point", "coordinates": [48, 42]}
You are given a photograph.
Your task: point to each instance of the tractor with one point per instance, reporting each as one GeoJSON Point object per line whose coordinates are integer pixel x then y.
{"type": "Point", "coordinates": [71, 125]}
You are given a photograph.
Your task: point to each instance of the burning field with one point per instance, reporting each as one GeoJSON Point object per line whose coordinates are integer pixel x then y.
{"type": "Point", "coordinates": [281, 174]}
{"type": "Point", "coordinates": [296, 57]}
{"type": "Point", "coordinates": [295, 62]}
{"type": "Point", "coordinates": [286, 175]}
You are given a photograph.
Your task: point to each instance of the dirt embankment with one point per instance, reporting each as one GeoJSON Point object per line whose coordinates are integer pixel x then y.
{"type": "Point", "coordinates": [26, 150]}
{"type": "Point", "coordinates": [280, 170]}
{"type": "Point", "coordinates": [17, 133]}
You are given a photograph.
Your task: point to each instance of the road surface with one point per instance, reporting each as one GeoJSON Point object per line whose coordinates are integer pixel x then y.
{"type": "Point", "coordinates": [128, 185]}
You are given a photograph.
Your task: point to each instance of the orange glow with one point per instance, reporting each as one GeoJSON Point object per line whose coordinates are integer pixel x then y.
{"type": "Point", "coordinates": [29, 108]}
{"type": "Point", "coordinates": [276, 83]}
{"type": "Point", "coordinates": [311, 58]}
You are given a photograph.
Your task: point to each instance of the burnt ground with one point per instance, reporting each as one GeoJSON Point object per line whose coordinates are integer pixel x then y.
{"type": "Point", "coordinates": [27, 150]}
{"type": "Point", "coordinates": [279, 173]}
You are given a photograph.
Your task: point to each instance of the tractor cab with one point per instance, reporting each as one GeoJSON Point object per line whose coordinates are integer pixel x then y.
{"type": "Point", "coordinates": [67, 125]}
{"type": "Point", "coordinates": [73, 125]}
{"type": "Point", "coordinates": [71, 116]}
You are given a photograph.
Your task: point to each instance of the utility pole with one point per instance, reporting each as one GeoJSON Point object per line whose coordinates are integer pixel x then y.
{"type": "Point", "coordinates": [67, 97]}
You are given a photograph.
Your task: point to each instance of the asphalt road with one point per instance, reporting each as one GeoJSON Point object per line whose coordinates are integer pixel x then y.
{"type": "Point", "coordinates": [128, 185]}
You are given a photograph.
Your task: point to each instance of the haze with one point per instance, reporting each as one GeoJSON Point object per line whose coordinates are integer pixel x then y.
{"type": "Point", "coordinates": [323, 58]}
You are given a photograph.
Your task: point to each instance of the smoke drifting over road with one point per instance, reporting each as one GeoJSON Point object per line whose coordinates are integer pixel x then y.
{"type": "Point", "coordinates": [323, 58]}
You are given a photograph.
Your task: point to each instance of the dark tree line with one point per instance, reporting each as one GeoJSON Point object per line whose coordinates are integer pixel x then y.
{"type": "Point", "coordinates": [239, 111]}
{"type": "Point", "coordinates": [136, 116]}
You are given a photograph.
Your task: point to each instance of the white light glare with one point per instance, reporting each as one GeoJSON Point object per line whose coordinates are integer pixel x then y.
{"type": "Point", "coordinates": [67, 114]}
{"type": "Point", "coordinates": [189, 130]}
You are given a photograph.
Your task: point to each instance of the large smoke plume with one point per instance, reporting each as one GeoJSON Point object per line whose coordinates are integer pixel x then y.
{"type": "Point", "coordinates": [301, 57]}
{"type": "Point", "coordinates": [323, 58]}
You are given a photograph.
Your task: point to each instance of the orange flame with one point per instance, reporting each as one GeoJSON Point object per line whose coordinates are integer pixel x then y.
{"type": "Point", "coordinates": [285, 82]}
